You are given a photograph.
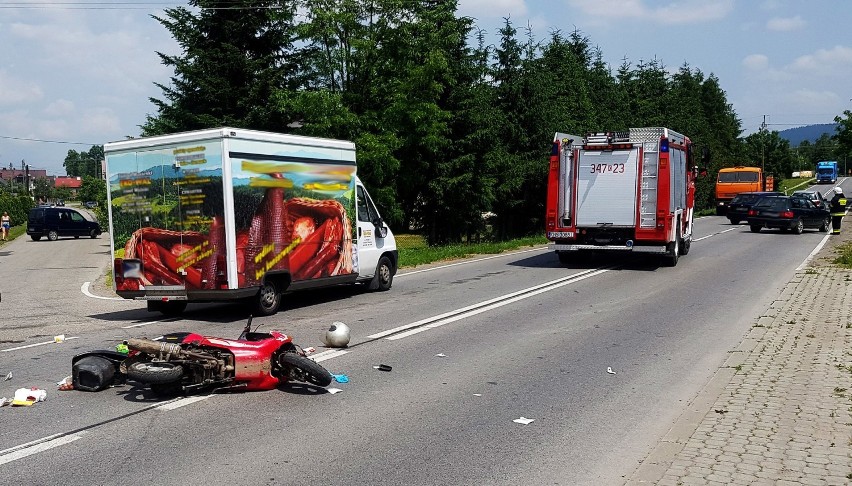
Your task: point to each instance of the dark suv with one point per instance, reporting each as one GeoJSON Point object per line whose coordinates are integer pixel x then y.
{"type": "Point", "coordinates": [56, 222]}
{"type": "Point", "coordinates": [742, 202]}
{"type": "Point", "coordinates": [787, 213]}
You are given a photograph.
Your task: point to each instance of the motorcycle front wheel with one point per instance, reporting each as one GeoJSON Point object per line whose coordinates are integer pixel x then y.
{"type": "Point", "coordinates": [301, 368]}
{"type": "Point", "coordinates": [155, 372]}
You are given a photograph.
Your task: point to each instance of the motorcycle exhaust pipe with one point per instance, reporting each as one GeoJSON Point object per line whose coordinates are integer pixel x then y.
{"type": "Point", "coordinates": [154, 347]}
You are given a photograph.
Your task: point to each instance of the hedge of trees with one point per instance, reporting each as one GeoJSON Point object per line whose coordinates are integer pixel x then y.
{"type": "Point", "coordinates": [448, 127]}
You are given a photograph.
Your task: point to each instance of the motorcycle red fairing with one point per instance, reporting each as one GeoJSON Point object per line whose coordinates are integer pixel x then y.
{"type": "Point", "coordinates": [186, 362]}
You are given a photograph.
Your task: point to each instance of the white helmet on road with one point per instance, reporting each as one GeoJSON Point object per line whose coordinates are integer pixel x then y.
{"type": "Point", "coordinates": [337, 335]}
{"type": "Point", "coordinates": [838, 190]}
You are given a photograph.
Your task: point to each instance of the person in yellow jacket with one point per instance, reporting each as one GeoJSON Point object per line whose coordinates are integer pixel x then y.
{"type": "Point", "coordinates": [838, 209]}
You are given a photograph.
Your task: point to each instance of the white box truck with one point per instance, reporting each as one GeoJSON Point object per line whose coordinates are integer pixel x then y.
{"type": "Point", "coordinates": [232, 214]}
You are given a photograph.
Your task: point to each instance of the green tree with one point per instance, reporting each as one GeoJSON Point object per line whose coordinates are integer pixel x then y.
{"type": "Point", "coordinates": [43, 190]}
{"type": "Point", "coordinates": [235, 56]}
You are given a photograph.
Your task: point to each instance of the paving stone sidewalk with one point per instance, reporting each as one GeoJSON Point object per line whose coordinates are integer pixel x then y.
{"type": "Point", "coordinates": [780, 409]}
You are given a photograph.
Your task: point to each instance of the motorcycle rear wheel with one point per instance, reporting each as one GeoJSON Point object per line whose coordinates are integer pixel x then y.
{"type": "Point", "coordinates": [313, 372]}
{"type": "Point", "coordinates": [155, 372]}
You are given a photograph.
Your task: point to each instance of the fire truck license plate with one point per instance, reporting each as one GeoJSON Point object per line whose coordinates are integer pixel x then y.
{"type": "Point", "coordinates": [560, 234]}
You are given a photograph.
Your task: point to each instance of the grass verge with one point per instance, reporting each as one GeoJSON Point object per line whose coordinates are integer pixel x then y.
{"type": "Point", "coordinates": [412, 255]}
{"type": "Point", "coordinates": [844, 255]}
{"type": "Point", "coordinates": [14, 232]}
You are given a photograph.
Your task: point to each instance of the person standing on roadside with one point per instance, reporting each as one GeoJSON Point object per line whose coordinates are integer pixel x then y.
{"type": "Point", "coordinates": [838, 209]}
{"type": "Point", "coordinates": [5, 224]}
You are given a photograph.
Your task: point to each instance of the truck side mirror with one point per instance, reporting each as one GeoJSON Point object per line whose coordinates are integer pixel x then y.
{"type": "Point", "coordinates": [381, 229]}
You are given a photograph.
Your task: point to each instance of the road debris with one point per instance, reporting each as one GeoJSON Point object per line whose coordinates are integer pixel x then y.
{"type": "Point", "coordinates": [59, 338]}
{"type": "Point", "coordinates": [609, 370]}
{"type": "Point", "coordinates": [383, 367]}
{"type": "Point", "coordinates": [440, 355]}
{"type": "Point", "coordinates": [8, 376]}
{"type": "Point", "coordinates": [523, 421]}
{"type": "Point", "coordinates": [333, 390]}
{"type": "Point", "coordinates": [340, 378]}
{"type": "Point", "coordinates": [122, 348]}
{"type": "Point", "coordinates": [5, 401]}
{"type": "Point", "coordinates": [66, 384]}
{"type": "Point", "coordinates": [25, 397]}
{"type": "Point", "coordinates": [477, 394]}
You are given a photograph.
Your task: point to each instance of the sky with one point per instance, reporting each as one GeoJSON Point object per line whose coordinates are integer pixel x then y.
{"type": "Point", "coordinates": [77, 73]}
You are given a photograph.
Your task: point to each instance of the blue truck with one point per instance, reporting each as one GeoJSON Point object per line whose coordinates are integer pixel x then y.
{"type": "Point", "coordinates": [826, 171]}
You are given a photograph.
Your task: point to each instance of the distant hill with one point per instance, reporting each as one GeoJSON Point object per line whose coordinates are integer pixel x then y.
{"type": "Point", "coordinates": [810, 132]}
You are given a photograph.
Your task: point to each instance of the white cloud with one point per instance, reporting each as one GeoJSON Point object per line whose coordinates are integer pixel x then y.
{"type": "Point", "coordinates": [59, 108]}
{"type": "Point", "coordinates": [824, 60]}
{"type": "Point", "coordinates": [17, 91]}
{"type": "Point", "coordinates": [786, 24]}
{"type": "Point", "coordinates": [493, 9]}
{"type": "Point", "coordinates": [756, 62]}
{"type": "Point", "coordinates": [683, 12]}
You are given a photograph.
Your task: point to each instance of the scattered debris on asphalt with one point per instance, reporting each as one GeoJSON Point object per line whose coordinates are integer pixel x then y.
{"type": "Point", "coordinates": [122, 348]}
{"type": "Point", "coordinates": [477, 394]}
{"type": "Point", "coordinates": [440, 355]}
{"type": "Point", "coordinates": [5, 401]}
{"type": "Point", "coordinates": [24, 397]}
{"type": "Point", "coordinates": [609, 370]}
{"type": "Point", "coordinates": [383, 367]}
{"type": "Point", "coordinates": [310, 350]}
{"type": "Point", "coordinates": [66, 384]}
{"type": "Point", "coordinates": [523, 421]}
{"type": "Point", "coordinates": [8, 377]}
{"type": "Point", "coordinates": [720, 411]}
{"type": "Point", "coordinates": [333, 390]}
{"type": "Point", "coordinates": [59, 338]}
{"type": "Point", "coordinates": [340, 378]}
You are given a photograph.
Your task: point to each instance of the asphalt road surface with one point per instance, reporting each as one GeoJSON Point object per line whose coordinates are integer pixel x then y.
{"type": "Point", "coordinates": [518, 336]}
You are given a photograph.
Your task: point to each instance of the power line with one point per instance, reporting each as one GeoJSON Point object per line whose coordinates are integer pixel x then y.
{"type": "Point", "coordinates": [46, 141]}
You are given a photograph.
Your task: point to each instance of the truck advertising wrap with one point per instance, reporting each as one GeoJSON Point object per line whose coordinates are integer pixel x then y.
{"type": "Point", "coordinates": [226, 217]}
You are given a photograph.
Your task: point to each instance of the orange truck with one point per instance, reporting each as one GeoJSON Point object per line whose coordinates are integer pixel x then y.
{"type": "Point", "coordinates": [734, 180]}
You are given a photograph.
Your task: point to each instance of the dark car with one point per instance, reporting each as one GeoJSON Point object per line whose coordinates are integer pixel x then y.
{"type": "Point", "coordinates": [56, 222]}
{"type": "Point", "coordinates": [742, 202]}
{"type": "Point", "coordinates": [90, 204]}
{"type": "Point", "coordinates": [787, 213]}
{"type": "Point", "coordinates": [816, 197]}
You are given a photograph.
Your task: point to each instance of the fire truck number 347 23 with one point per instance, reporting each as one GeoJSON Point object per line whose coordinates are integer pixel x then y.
{"type": "Point", "coordinates": [604, 168]}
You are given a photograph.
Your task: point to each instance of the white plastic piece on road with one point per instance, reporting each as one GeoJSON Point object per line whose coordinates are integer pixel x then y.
{"type": "Point", "coordinates": [523, 421]}
{"type": "Point", "coordinates": [477, 394]}
{"type": "Point", "coordinates": [440, 355]}
{"type": "Point", "coordinates": [333, 390]}
{"type": "Point", "coordinates": [609, 370]}
{"type": "Point", "coordinates": [8, 377]}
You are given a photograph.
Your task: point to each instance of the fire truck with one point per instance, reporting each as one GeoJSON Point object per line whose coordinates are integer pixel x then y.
{"type": "Point", "coordinates": [628, 191]}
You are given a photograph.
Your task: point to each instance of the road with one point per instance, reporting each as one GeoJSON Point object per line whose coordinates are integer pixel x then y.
{"type": "Point", "coordinates": [520, 335]}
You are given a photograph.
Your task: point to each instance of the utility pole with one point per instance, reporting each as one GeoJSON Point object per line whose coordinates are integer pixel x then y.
{"type": "Point", "coordinates": [763, 147]}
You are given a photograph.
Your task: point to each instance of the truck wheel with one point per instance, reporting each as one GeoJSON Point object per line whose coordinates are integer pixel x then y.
{"type": "Point", "coordinates": [300, 368]}
{"type": "Point", "coordinates": [173, 308]}
{"type": "Point", "coordinates": [158, 372]}
{"type": "Point", "coordinates": [674, 253]}
{"type": "Point", "coordinates": [686, 244]}
{"type": "Point", "coordinates": [268, 300]}
{"type": "Point", "coordinates": [52, 235]}
{"type": "Point", "coordinates": [383, 279]}
{"type": "Point", "coordinates": [734, 221]}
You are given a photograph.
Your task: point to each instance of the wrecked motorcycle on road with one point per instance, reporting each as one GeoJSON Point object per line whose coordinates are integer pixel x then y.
{"type": "Point", "coordinates": [186, 362]}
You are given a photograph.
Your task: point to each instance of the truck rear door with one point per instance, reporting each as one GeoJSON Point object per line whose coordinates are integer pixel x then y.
{"type": "Point", "coordinates": [606, 187]}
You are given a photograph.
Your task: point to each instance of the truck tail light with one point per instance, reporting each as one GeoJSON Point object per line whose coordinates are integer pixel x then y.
{"type": "Point", "coordinates": [117, 271]}
{"type": "Point", "coordinates": [551, 223]}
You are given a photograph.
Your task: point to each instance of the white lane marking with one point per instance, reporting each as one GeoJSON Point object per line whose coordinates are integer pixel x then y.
{"type": "Point", "coordinates": [813, 253]}
{"type": "Point", "coordinates": [140, 324]}
{"type": "Point", "coordinates": [499, 255]}
{"type": "Point", "coordinates": [471, 310]}
{"type": "Point", "coordinates": [85, 289]}
{"type": "Point", "coordinates": [718, 233]}
{"type": "Point", "coordinates": [37, 344]}
{"type": "Point", "coordinates": [36, 446]}
{"type": "Point", "coordinates": [182, 402]}
{"type": "Point", "coordinates": [331, 353]}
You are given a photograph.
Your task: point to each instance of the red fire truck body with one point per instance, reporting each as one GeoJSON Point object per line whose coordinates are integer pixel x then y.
{"type": "Point", "coordinates": [630, 191]}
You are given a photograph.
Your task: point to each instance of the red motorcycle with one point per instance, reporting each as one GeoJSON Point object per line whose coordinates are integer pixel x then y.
{"type": "Point", "coordinates": [189, 362]}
